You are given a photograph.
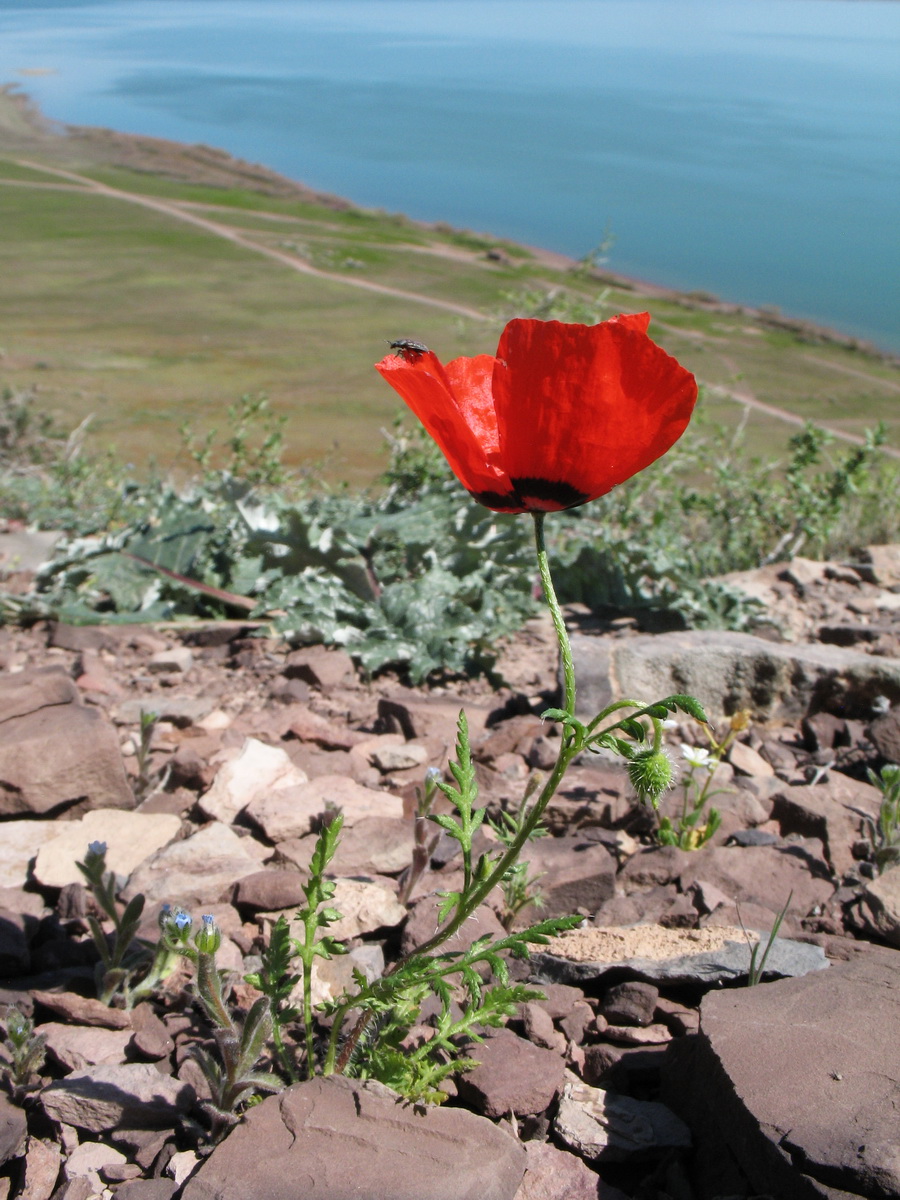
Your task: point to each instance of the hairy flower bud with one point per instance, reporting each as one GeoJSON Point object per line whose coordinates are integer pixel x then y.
{"type": "Point", "coordinates": [175, 922]}
{"type": "Point", "coordinates": [650, 772]}
{"type": "Point", "coordinates": [208, 937]}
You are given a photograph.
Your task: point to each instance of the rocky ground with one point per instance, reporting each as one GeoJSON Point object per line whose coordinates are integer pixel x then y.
{"type": "Point", "coordinates": [649, 1070]}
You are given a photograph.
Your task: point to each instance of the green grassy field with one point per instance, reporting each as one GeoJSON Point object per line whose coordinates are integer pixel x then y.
{"type": "Point", "coordinates": [144, 319]}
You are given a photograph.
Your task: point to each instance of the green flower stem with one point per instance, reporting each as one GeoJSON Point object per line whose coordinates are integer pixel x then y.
{"type": "Point", "coordinates": [570, 747]}
{"type": "Point", "coordinates": [562, 636]}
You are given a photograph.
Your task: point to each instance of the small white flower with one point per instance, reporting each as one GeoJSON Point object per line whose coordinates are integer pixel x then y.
{"type": "Point", "coordinates": [696, 756]}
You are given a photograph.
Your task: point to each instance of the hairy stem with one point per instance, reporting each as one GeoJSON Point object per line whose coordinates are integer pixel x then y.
{"type": "Point", "coordinates": [474, 897]}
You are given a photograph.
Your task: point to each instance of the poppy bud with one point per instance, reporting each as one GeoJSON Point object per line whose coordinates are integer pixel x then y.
{"type": "Point", "coordinates": [650, 772]}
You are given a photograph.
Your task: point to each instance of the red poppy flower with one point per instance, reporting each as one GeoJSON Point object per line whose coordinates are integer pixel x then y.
{"type": "Point", "coordinates": [561, 415]}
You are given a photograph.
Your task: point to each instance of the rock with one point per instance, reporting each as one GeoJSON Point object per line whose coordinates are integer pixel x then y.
{"type": "Point", "coordinates": [13, 1130]}
{"type": "Point", "coordinates": [198, 870]}
{"type": "Point", "coordinates": [634, 1035]}
{"type": "Point", "coordinates": [181, 711]}
{"type": "Point", "coordinates": [727, 672]}
{"type": "Point", "coordinates": [20, 843]}
{"type": "Point", "coordinates": [270, 890]}
{"type": "Point", "coordinates": [292, 812]}
{"type": "Point", "coordinates": [130, 838]}
{"type": "Point", "coordinates": [672, 956]}
{"type": "Point", "coordinates": [577, 875]}
{"type": "Point", "coordinates": [15, 953]}
{"type": "Point", "coordinates": [399, 758]}
{"type": "Point", "coordinates": [319, 1139]}
{"type": "Point", "coordinates": [26, 549]}
{"type": "Point", "coordinates": [53, 750]}
{"type": "Point", "coordinates": [88, 1159]}
{"type": "Point", "coordinates": [82, 1010]}
{"type": "Point", "coordinates": [879, 906]}
{"type": "Point", "coordinates": [364, 907]}
{"type": "Point", "coordinates": [150, 1039]}
{"type": "Point", "coordinates": [513, 1076]}
{"type": "Point", "coordinates": [809, 1110]}
{"type": "Point", "coordinates": [422, 925]}
{"type": "Point", "coordinates": [182, 1165]}
{"type": "Point", "coordinates": [42, 1162]}
{"type": "Point", "coordinates": [763, 875]}
{"type": "Point", "coordinates": [417, 716]}
{"type": "Point", "coordinates": [538, 1026]}
{"type": "Point", "coordinates": [600, 1059]}
{"type": "Point", "coordinates": [109, 1097]}
{"type": "Point", "coordinates": [375, 846]}
{"type": "Point", "coordinates": [321, 667]}
{"type": "Point", "coordinates": [256, 772]}
{"type": "Point", "coordinates": [78, 1046]}
{"type": "Point", "coordinates": [553, 1174]}
{"type": "Point", "coordinates": [575, 1023]}
{"type": "Point", "coordinates": [332, 976]}
{"type": "Point", "coordinates": [147, 1189]}
{"type": "Point", "coordinates": [177, 660]}
{"type": "Point", "coordinates": [630, 1003]}
{"type": "Point", "coordinates": [747, 761]}
{"type": "Point", "coordinates": [79, 1189]}
{"type": "Point", "coordinates": [309, 726]}
{"type": "Point", "coordinates": [884, 732]}
{"type": "Point", "coordinates": [831, 811]}
{"type": "Point", "coordinates": [879, 565]}
{"type": "Point", "coordinates": [615, 1128]}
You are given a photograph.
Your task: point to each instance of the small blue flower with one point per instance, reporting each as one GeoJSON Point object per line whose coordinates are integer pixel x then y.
{"type": "Point", "coordinates": [97, 849]}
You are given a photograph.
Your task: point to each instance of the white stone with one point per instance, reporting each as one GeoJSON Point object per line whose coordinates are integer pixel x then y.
{"type": "Point", "coordinates": [258, 770]}
{"type": "Point", "coordinates": [130, 838]}
{"type": "Point", "coordinates": [88, 1159]}
{"type": "Point", "coordinates": [197, 870]}
{"type": "Point", "coordinates": [20, 843]}
{"type": "Point", "coordinates": [291, 814]}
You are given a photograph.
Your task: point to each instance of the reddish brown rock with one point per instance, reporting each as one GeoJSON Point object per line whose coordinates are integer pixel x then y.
{"type": "Point", "coordinates": [809, 1112]}
{"type": "Point", "coordinates": [54, 751]}
{"type": "Point", "coordinates": [319, 1139]}
{"type": "Point", "coordinates": [513, 1076]}
{"type": "Point", "coordinates": [831, 811]}
{"type": "Point", "coordinates": [554, 1174]}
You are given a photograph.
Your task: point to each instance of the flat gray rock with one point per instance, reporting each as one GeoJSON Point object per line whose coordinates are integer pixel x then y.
{"type": "Point", "coordinates": [800, 1079]}
{"type": "Point", "coordinates": [133, 1096]}
{"type": "Point", "coordinates": [613, 1128]}
{"type": "Point", "coordinates": [338, 1139]}
{"type": "Point", "coordinates": [730, 671]}
{"type": "Point", "coordinates": [725, 963]}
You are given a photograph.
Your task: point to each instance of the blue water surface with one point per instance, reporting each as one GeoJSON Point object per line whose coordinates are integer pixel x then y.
{"type": "Point", "coordinates": [749, 148]}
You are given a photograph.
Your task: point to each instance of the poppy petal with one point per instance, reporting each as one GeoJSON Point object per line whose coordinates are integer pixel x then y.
{"type": "Point", "coordinates": [581, 408]}
{"type": "Point", "coordinates": [455, 405]}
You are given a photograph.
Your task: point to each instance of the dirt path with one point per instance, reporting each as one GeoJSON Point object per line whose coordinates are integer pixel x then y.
{"type": "Point", "coordinates": [747, 398]}
{"type": "Point", "coordinates": [238, 239]}
{"type": "Point", "coordinates": [870, 379]}
{"type": "Point", "coordinates": [186, 213]}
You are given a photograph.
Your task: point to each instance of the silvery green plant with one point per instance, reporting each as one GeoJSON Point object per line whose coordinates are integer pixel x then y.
{"type": "Point", "coordinates": [232, 1077]}
{"type": "Point", "coordinates": [130, 968]}
{"type": "Point", "coordinates": [883, 835]}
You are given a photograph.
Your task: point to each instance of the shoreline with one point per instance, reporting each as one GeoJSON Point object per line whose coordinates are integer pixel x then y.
{"type": "Point", "coordinates": [214, 167]}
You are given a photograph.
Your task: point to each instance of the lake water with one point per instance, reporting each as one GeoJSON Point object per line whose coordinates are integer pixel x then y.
{"type": "Point", "coordinates": [749, 148]}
